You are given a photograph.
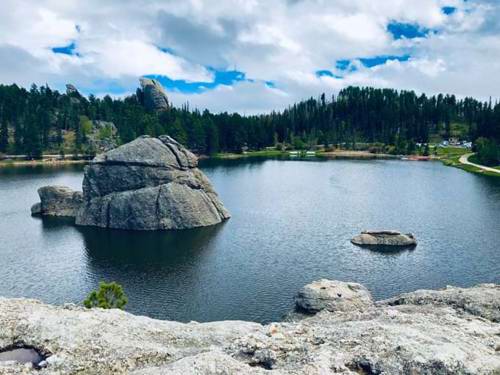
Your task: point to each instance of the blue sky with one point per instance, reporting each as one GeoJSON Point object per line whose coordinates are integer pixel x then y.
{"type": "Point", "coordinates": [400, 30]}
{"type": "Point", "coordinates": [69, 49]}
{"type": "Point", "coordinates": [255, 56]}
{"type": "Point", "coordinates": [221, 77]}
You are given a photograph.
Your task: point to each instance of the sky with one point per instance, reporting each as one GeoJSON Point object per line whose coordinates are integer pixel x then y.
{"type": "Point", "coordinates": [252, 56]}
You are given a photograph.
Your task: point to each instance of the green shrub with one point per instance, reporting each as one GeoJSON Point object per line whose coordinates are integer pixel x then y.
{"type": "Point", "coordinates": [108, 296]}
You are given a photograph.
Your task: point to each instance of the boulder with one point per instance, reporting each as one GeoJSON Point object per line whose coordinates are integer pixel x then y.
{"type": "Point", "coordinates": [154, 96]}
{"type": "Point", "coordinates": [332, 296]}
{"type": "Point", "coordinates": [148, 184]}
{"type": "Point", "coordinates": [439, 336]}
{"type": "Point", "coordinates": [384, 238]}
{"type": "Point", "coordinates": [482, 302]}
{"type": "Point", "coordinates": [57, 201]}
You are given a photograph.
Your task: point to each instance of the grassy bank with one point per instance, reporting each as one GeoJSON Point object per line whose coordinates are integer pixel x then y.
{"type": "Point", "coordinates": [450, 156]}
{"type": "Point", "coordinates": [248, 154]}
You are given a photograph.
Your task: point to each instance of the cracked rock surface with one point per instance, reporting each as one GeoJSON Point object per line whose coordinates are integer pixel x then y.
{"type": "Point", "coordinates": [147, 184]}
{"type": "Point", "coordinates": [57, 201]}
{"type": "Point", "coordinates": [450, 331]}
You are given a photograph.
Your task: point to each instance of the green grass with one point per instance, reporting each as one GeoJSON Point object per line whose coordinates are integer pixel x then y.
{"type": "Point", "coordinates": [262, 153]}
{"type": "Point", "coordinates": [453, 161]}
{"type": "Point", "coordinates": [451, 152]}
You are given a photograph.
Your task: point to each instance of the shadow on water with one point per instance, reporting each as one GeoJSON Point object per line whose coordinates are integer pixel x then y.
{"type": "Point", "coordinates": [110, 247]}
{"type": "Point", "coordinates": [388, 250]}
{"type": "Point", "coordinates": [54, 224]}
{"type": "Point", "coordinates": [161, 272]}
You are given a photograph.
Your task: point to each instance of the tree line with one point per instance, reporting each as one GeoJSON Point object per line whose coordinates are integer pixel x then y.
{"type": "Point", "coordinates": [36, 120]}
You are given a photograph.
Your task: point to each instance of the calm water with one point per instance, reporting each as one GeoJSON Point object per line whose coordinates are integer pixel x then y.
{"type": "Point", "coordinates": [291, 224]}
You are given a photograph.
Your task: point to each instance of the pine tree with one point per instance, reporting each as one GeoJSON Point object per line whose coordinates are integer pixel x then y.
{"type": "Point", "coordinates": [4, 136]}
{"type": "Point", "coordinates": [108, 296]}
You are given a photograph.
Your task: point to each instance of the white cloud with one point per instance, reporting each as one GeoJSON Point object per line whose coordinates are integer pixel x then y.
{"type": "Point", "coordinates": [283, 41]}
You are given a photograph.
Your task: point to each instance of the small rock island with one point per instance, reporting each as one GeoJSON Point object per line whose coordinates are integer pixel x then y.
{"type": "Point", "coordinates": [147, 184]}
{"type": "Point", "coordinates": [384, 238]}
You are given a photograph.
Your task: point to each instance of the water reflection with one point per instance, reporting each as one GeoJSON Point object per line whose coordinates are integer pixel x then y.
{"type": "Point", "coordinates": [388, 250]}
{"type": "Point", "coordinates": [161, 270]}
{"type": "Point", "coordinates": [168, 248]}
{"type": "Point", "coordinates": [54, 223]}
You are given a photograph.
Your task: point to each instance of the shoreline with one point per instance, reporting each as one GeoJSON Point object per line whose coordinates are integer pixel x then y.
{"type": "Point", "coordinates": [41, 162]}
{"type": "Point", "coordinates": [339, 154]}
{"type": "Point", "coordinates": [455, 161]}
{"type": "Point", "coordinates": [461, 162]}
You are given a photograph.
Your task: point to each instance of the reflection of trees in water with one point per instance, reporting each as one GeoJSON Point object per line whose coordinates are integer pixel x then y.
{"type": "Point", "coordinates": [219, 165]}
{"type": "Point", "coordinates": [249, 162]}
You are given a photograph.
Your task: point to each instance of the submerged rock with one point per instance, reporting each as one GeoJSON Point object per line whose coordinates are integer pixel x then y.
{"type": "Point", "coordinates": [148, 184]}
{"type": "Point", "coordinates": [57, 201]}
{"type": "Point", "coordinates": [384, 238]}
{"type": "Point", "coordinates": [439, 336]}
{"type": "Point", "coordinates": [155, 97]}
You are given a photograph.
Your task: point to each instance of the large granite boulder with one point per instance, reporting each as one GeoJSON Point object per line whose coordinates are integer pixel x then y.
{"type": "Point", "coordinates": [332, 296]}
{"type": "Point", "coordinates": [57, 201]}
{"type": "Point", "coordinates": [410, 337]}
{"type": "Point", "coordinates": [384, 238]}
{"type": "Point", "coordinates": [154, 96]}
{"type": "Point", "coordinates": [148, 184]}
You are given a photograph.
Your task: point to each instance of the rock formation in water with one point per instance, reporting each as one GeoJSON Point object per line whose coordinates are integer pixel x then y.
{"type": "Point", "coordinates": [154, 96]}
{"type": "Point", "coordinates": [384, 238]}
{"type": "Point", "coordinates": [57, 201]}
{"type": "Point", "coordinates": [147, 184]}
{"type": "Point", "coordinates": [451, 331]}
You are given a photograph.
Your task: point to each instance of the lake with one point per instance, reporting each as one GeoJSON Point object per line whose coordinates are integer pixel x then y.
{"type": "Point", "coordinates": [292, 221]}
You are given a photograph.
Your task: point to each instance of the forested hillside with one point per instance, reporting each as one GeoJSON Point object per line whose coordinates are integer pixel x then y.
{"type": "Point", "coordinates": [44, 120]}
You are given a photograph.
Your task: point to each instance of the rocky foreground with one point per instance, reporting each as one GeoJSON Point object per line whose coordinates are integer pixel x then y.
{"type": "Point", "coordinates": [451, 331]}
